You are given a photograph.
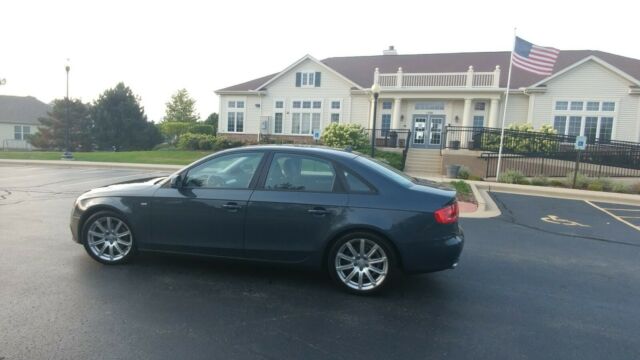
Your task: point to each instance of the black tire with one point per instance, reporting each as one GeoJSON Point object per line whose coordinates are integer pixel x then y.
{"type": "Point", "coordinates": [361, 264]}
{"type": "Point", "coordinates": [113, 241]}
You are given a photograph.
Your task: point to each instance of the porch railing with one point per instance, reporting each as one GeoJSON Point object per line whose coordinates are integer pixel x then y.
{"type": "Point", "coordinates": [468, 79]}
{"type": "Point", "coordinates": [393, 138]}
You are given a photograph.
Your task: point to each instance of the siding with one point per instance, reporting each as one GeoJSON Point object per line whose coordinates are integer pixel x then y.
{"type": "Point", "coordinates": [7, 136]}
{"type": "Point", "coordinates": [591, 81]}
{"type": "Point", "coordinates": [517, 110]}
{"type": "Point", "coordinates": [332, 88]}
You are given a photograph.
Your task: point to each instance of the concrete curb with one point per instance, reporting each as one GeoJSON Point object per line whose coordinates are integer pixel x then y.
{"type": "Point", "coordinates": [487, 208]}
{"type": "Point", "coordinates": [73, 163]}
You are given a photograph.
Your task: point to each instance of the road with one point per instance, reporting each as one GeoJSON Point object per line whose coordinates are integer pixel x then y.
{"type": "Point", "coordinates": [562, 288]}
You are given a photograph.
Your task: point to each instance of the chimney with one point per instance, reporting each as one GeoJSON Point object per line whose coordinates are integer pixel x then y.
{"type": "Point", "coordinates": [390, 51]}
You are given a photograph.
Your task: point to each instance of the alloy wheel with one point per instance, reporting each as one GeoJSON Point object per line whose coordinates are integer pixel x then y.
{"type": "Point", "coordinates": [361, 264]}
{"type": "Point", "coordinates": [109, 238]}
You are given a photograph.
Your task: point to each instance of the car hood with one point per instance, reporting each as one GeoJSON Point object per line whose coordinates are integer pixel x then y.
{"type": "Point", "coordinates": [139, 187]}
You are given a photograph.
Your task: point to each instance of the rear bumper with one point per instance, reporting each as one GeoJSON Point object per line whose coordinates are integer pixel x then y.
{"type": "Point", "coordinates": [432, 255]}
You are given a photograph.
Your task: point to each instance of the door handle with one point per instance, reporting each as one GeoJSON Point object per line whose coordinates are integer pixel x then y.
{"type": "Point", "coordinates": [231, 206]}
{"type": "Point", "coordinates": [318, 211]}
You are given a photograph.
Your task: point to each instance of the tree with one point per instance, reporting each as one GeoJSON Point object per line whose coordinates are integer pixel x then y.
{"type": "Point", "coordinates": [181, 108]}
{"type": "Point", "coordinates": [120, 121]}
{"type": "Point", "coordinates": [212, 120]}
{"type": "Point", "coordinates": [53, 132]}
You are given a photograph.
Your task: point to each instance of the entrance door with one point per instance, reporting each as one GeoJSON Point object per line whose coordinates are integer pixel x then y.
{"type": "Point", "coordinates": [427, 131]}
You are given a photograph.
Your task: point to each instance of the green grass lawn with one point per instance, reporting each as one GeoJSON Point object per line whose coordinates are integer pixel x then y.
{"type": "Point", "coordinates": [174, 157]}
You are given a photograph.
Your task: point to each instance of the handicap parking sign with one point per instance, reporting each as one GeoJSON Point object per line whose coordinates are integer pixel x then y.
{"type": "Point", "coordinates": [581, 142]}
{"type": "Point", "coordinates": [316, 134]}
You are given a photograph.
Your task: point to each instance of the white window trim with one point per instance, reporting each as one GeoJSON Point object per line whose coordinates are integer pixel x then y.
{"type": "Point", "coordinates": [586, 113]}
{"type": "Point", "coordinates": [306, 74]}
{"type": "Point", "coordinates": [302, 110]}
{"type": "Point", "coordinates": [228, 109]}
{"type": "Point", "coordinates": [283, 110]}
{"type": "Point", "coordinates": [335, 111]}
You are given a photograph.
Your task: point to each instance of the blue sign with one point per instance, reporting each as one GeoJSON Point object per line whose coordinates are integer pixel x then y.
{"type": "Point", "coordinates": [316, 134]}
{"type": "Point", "coordinates": [581, 142]}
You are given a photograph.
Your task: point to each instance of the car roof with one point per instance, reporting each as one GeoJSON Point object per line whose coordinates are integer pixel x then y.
{"type": "Point", "coordinates": [305, 149]}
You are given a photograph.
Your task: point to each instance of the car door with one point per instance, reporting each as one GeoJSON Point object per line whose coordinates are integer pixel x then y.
{"type": "Point", "coordinates": [206, 213]}
{"type": "Point", "coordinates": [295, 208]}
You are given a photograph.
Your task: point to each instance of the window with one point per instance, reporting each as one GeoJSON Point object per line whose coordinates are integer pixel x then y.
{"type": "Point", "coordinates": [608, 106]}
{"type": "Point", "coordinates": [17, 132]}
{"type": "Point", "coordinates": [385, 124]}
{"type": "Point", "coordinates": [593, 106]}
{"type": "Point", "coordinates": [305, 117]}
{"type": "Point", "coordinates": [277, 123]}
{"type": "Point", "coordinates": [606, 128]}
{"type": "Point", "coordinates": [479, 106]}
{"type": "Point", "coordinates": [233, 171]}
{"type": "Point", "coordinates": [574, 125]}
{"type": "Point", "coordinates": [478, 121]}
{"type": "Point", "coordinates": [355, 184]}
{"type": "Point", "coordinates": [590, 128]}
{"type": "Point", "coordinates": [335, 104]}
{"type": "Point", "coordinates": [239, 104]}
{"type": "Point", "coordinates": [430, 105]}
{"type": "Point", "coordinates": [235, 104]}
{"type": "Point", "coordinates": [387, 105]}
{"type": "Point", "coordinates": [562, 105]}
{"type": "Point", "coordinates": [300, 173]}
{"type": "Point", "coordinates": [279, 104]}
{"type": "Point", "coordinates": [235, 121]}
{"type": "Point", "coordinates": [231, 104]}
{"type": "Point", "coordinates": [308, 79]}
{"type": "Point", "coordinates": [560, 123]}
{"type": "Point", "coordinates": [335, 118]}
{"type": "Point", "coordinates": [576, 105]}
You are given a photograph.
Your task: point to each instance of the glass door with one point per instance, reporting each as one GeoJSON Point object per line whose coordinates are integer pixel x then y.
{"type": "Point", "coordinates": [435, 130]}
{"type": "Point", "coordinates": [419, 130]}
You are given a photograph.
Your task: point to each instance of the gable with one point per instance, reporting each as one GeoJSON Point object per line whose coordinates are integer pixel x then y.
{"type": "Point", "coordinates": [293, 78]}
{"type": "Point", "coordinates": [590, 74]}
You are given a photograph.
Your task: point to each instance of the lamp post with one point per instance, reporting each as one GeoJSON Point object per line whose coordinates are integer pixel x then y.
{"type": "Point", "coordinates": [375, 89]}
{"type": "Point", "coordinates": [67, 155]}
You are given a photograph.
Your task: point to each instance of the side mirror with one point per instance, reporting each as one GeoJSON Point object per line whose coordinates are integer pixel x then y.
{"type": "Point", "coordinates": [176, 181]}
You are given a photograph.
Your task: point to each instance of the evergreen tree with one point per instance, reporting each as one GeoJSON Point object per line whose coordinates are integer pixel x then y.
{"type": "Point", "coordinates": [61, 121]}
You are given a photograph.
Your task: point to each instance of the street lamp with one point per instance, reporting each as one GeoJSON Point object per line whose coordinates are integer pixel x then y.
{"type": "Point", "coordinates": [67, 155]}
{"type": "Point", "coordinates": [375, 89]}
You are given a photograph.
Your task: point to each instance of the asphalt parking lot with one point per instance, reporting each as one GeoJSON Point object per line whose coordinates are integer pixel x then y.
{"type": "Point", "coordinates": [550, 278]}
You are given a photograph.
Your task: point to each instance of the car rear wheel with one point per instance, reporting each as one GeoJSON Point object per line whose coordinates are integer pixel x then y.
{"type": "Point", "coordinates": [108, 238]}
{"type": "Point", "coordinates": [361, 263]}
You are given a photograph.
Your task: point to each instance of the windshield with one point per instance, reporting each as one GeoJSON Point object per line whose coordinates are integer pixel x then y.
{"type": "Point", "coordinates": [386, 170]}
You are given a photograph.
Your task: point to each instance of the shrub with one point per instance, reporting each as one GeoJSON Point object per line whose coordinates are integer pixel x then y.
{"type": "Point", "coordinates": [172, 130]}
{"type": "Point", "coordinates": [582, 181]}
{"type": "Point", "coordinates": [475, 177]}
{"type": "Point", "coordinates": [512, 177]}
{"type": "Point", "coordinates": [461, 187]}
{"type": "Point", "coordinates": [540, 181]}
{"type": "Point", "coordinates": [620, 188]}
{"type": "Point", "coordinates": [201, 129]}
{"type": "Point", "coordinates": [464, 173]}
{"type": "Point", "coordinates": [557, 183]}
{"type": "Point", "coordinates": [343, 135]}
{"type": "Point", "coordinates": [224, 143]}
{"type": "Point", "coordinates": [600, 185]}
{"type": "Point", "coordinates": [190, 141]}
{"type": "Point", "coordinates": [634, 188]}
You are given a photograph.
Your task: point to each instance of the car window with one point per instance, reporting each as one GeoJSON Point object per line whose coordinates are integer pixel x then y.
{"type": "Point", "coordinates": [233, 171]}
{"type": "Point", "coordinates": [300, 173]}
{"type": "Point", "coordinates": [355, 184]}
{"type": "Point", "coordinates": [386, 170]}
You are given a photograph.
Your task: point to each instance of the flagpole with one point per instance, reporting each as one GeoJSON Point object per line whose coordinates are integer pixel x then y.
{"type": "Point", "coordinates": [506, 102]}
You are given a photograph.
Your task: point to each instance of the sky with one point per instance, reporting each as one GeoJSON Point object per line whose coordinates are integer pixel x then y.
{"type": "Point", "coordinates": [158, 47]}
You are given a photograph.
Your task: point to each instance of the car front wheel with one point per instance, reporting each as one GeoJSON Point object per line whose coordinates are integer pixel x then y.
{"type": "Point", "coordinates": [108, 238]}
{"type": "Point", "coordinates": [361, 263]}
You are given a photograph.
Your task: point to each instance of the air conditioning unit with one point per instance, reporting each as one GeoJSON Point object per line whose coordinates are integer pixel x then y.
{"type": "Point", "coordinates": [265, 124]}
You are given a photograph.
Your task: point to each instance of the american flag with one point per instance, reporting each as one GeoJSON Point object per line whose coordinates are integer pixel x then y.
{"type": "Point", "coordinates": [533, 58]}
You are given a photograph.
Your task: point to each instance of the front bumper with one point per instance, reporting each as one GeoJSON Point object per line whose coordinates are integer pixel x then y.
{"type": "Point", "coordinates": [74, 223]}
{"type": "Point", "coordinates": [432, 255]}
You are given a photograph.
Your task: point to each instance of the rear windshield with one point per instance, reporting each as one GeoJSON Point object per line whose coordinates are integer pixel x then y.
{"type": "Point", "coordinates": [386, 170]}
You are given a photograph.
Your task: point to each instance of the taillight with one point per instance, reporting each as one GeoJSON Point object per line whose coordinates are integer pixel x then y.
{"type": "Point", "coordinates": [448, 214]}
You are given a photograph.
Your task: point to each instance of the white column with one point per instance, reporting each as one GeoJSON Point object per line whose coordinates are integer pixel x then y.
{"type": "Point", "coordinates": [493, 113]}
{"type": "Point", "coordinates": [496, 77]}
{"type": "Point", "coordinates": [371, 112]}
{"type": "Point", "coordinates": [466, 113]}
{"type": "Point", "coordinates": [470, 77]}
{"type": "Point", "coordinates": [395, 120]}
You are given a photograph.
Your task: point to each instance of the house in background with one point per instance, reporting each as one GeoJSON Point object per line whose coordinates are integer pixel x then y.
{"type": "Point", "coordinates": [19, 119]}
{"type": "Point", "coordinates": [590, 93]}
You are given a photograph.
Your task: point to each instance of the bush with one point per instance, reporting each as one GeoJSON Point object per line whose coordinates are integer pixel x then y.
{"type": "Point", "coordinates": [634, 188]}
{"type": "Point", "coordinates": [620, 188]}
{"type": "Point", "coordinates": [582, 181]}
{"type": "Point", "coordinates": [343, 135]}
{"type": "Point", "coordinates": [475, 177]}
{"type": "Point", "coordinates": [201, 129]}
{"type": "Point", "coordinates": [512, 177]}
{"type": "Point", "coordinates": [190, 141]}
{"type": "Point", "coordinates": [557, 183]}
{"type": "Point", "coordinates": [540, 181]}
{"type": "Point", "coordinates": [599, 185]}
{"type": "Point", "coordinates": [464, 173]}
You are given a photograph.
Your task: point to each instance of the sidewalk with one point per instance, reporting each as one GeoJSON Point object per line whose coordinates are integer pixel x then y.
{"type": "Point", "coordinates": [73, 163]}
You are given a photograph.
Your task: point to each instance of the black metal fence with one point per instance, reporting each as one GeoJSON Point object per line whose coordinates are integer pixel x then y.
{"type": "Point", "coordinates": [536, 153]}
{"type": "Point", "coordinates": [393, 138]}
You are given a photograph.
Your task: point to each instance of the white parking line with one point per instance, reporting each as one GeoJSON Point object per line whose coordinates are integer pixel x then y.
{"type": "Point", "coordinates": [619, 218]}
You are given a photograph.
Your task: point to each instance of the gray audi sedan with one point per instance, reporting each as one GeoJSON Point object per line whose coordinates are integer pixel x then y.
{"type": "Point", "coordinates": [356, 218]}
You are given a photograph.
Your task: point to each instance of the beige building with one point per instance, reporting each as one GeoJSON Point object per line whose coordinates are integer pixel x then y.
{"type": "Point", "coordinates": [590, 93]}
{"type": "Point", "coordinates": [19, 119]}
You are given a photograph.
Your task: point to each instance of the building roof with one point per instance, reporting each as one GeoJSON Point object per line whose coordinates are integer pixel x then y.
{"type": "Point", "coordinates": [22, 110]}
{"type": "Point", "coordinates": [360, 69]}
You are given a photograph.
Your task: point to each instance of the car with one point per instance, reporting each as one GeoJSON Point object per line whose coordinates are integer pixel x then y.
{"type": "Point", "coordinates": [359, 219]}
